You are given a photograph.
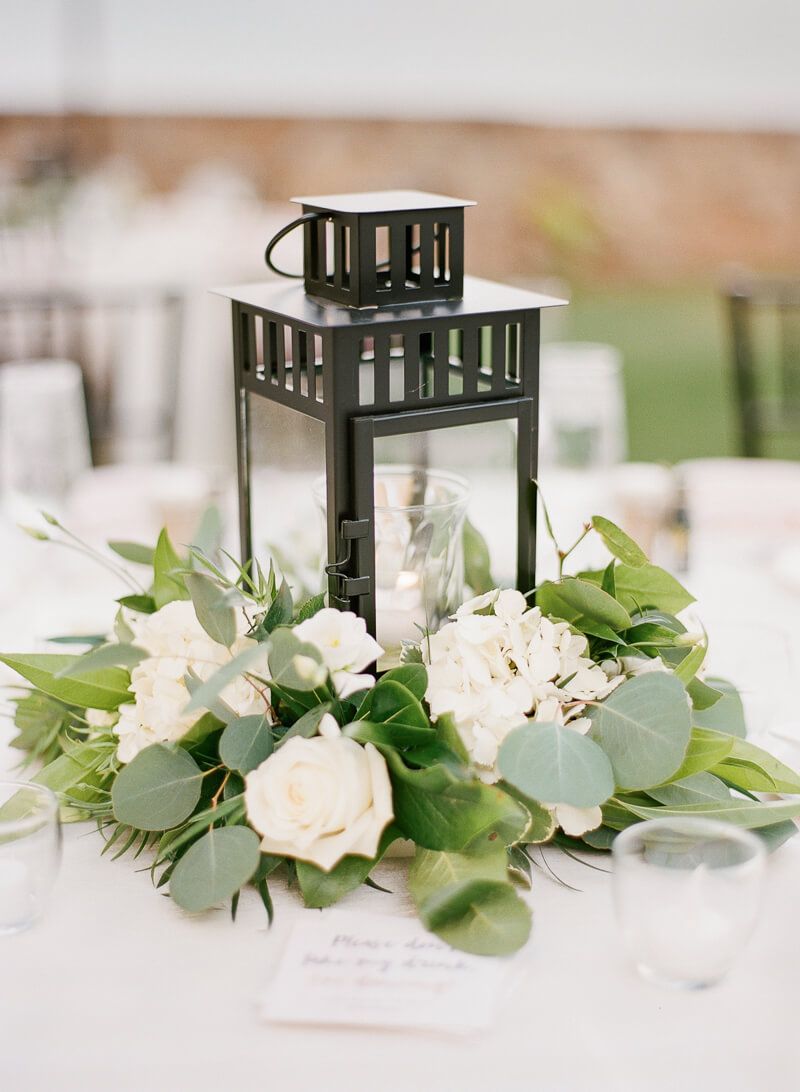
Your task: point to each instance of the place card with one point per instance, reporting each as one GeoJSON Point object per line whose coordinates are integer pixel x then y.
{"type": "Point", "coordinates": [370, 970]}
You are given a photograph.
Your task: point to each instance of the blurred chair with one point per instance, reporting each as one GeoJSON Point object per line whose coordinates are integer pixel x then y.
{"type": "Point", "coordinates": [127, 343]}
{"type": "Point", "coordinates": [764, 318]}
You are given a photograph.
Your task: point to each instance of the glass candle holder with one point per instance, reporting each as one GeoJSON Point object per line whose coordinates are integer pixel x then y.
{"type": "Point", "coordinates": [687, 894]}
{"type": "Point", "coordinates": [419, 557]}
{"type": "Point", "coordinates": [30, 851]}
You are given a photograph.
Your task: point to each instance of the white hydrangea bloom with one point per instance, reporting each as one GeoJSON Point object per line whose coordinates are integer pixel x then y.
{"type": "Point", "coordinates": [499, 662]}
{"type": "Point", "coordinates": [176, 644]}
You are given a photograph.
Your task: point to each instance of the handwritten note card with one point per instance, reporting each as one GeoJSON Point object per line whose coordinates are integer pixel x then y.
{"type": "Point", "coordinates": [368, 970]}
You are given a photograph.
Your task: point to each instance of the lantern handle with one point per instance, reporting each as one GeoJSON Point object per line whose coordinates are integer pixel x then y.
{"type": "Point", "coordinates": [306, 218]}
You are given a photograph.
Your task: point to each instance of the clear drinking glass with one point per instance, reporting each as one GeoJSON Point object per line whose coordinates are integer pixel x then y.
{"type": "Point", "coordinates": [687, 894]}
{"type": "Point", "coordinates": [419, 559]}
{"type": "Point", "coordinates": [30, 851]}
{"type": "Point", "coordinates": [44, 434]}
{"type": "Point", "coordinates": [583, 420]}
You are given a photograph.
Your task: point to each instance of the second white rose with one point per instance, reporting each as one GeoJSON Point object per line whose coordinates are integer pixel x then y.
{"type": "Point", "coordinates": [321, 799]}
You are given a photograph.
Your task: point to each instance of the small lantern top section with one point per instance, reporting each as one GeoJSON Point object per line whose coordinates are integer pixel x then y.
{"type": "Point", "coordinates": [387, 248]}
{"type": "Point", "coordinates": [382, 201]}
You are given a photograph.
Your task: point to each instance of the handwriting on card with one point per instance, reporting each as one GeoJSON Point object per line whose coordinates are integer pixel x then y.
{"type": "Point", "coordinates": [370, 970]}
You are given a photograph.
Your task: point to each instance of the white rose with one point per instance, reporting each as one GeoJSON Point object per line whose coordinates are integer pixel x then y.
{"type": "Point", "coordinates": [320, 799]}
{"type": "Point", "coordinates": [177, 645]}
{"type": "Point", "coordinates": [345, 646]}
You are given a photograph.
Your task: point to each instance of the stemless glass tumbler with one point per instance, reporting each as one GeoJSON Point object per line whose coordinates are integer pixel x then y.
{"type": "Point", "coordinates": [687, 894]}
{"type": "Point", "coordinates": [419, 560]}
{"type": "Point", "coordinates": [30, 851]}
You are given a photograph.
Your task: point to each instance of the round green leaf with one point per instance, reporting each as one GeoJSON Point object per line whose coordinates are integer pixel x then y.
{"type": "Point", "coordinates": [158, 789]}
{"type": "Point", "coordinates": [294, 664]}
{"type": "Point", "coordinates": [215, 868]}
{"type": "Point", "coordinates": [644, 727]}
{"type": "Point", "coordinates": [556, 765]}
{"type": "Point", "coordinates": [246, 743]}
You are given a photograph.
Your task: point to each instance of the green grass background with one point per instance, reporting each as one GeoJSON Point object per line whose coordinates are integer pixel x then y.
{"type": "Point", "coordinates": [676, 357]}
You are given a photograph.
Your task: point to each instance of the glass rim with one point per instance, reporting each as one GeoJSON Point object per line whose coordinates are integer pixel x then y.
{"type": "Point", "coordinates": [460, 485]}
{"type": "Point", "coordinates": [692, 825]}
{"type": "Point", "coordinates": [48, 809]}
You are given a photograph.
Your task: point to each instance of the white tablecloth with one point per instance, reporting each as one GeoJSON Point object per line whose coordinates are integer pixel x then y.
{"type": "Point", "coordinates": [117, 989]}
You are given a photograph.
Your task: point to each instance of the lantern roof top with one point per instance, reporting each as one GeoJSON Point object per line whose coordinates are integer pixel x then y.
{"type": "Point", "coordinates": [291, 301]}
{"type": "Point", "coordinates": [382, 201]}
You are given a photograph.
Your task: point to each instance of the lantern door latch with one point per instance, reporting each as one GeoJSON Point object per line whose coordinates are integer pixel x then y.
{"type": "Point", "coordinates": [349, 586]}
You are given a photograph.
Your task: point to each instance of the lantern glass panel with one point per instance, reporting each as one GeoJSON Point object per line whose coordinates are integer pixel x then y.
{"type": "Point", "coordinates": [484, 456]}
{"type": "Point", "coordinates": [287, 455]}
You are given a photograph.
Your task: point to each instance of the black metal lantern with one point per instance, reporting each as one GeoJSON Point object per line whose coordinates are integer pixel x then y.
{"type": "Point", "coordinates": [386, 337]}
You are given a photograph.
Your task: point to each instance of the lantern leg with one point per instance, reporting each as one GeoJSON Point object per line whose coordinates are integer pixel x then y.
{"type": "Point", "coordinates": [243, 474]}
{"type": "Point", "coordinates": [527, 469]}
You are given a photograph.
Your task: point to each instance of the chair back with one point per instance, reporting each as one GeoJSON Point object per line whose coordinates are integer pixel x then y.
{"type": "Point", "coordinates": [127, 344]}
{"type": "Point", "coordinates": [764, 317]}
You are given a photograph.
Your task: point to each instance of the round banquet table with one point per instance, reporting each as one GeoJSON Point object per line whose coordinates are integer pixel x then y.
{"type": "Point", "coordinates": [117, 989]}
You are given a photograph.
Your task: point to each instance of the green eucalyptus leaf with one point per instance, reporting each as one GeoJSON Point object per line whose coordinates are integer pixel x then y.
{"type": "Point", "coordinates": [76, 774]}
{"type": "Point", "coordinates": [690, 664]}
{"type": "Point", "coordinates": [469, 902]}
{"type": "Point", "coordinates": [221, 710]}
{"type": "Point", "coordinates": [749, 814]}
{"type": "Point", "coordinates": [644, 727]}
{"type": "Point", "coordinates": [725, 715]}
{"type": "Point", "coordinates": [776, 834]}
{"type": "Point", "coordinates": [648, 586]}
{"type": "Point", "coordinates": [215, 868]}
{"type": "Point", "coordinates": [168, 583]}
{"type": "Point", "coordinates": [212, 607]}
{"type": "Point", "coordinates": [557, 765]}
{"type": "Point", "coordinates": [438, 810]}
{"type": "Point", "coordinates": [247, 660]}
{"type": "Point", "coordinates": [307, 725]}
{"type": "Point", "coordinates": [246, 743]}
{"type": "Point", "coordinates": [618, 543]}
{"type": "Point", "coordinates": [158, 789]}
{"type": "Point", "coordinates": [279, 612]}
{"type": "Point", "coordinates": [101, 689]}
{"type": "Point", "coordinates": [698, 788]}
{"type": "Point", "coordinates": [113, 655]}
{"type": "Point", "coordinates": [705, 750]}
{"type": "Point", "coordinates": [207, 539]}
{"type": "Point", "coordinates": [133, 551]}
{"type": "Point", "coordinates": [703, 696]}
{"type": "Point", "coordinates": [754, 769]}
{"type": "Point", "coordinates": [295, 664]}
